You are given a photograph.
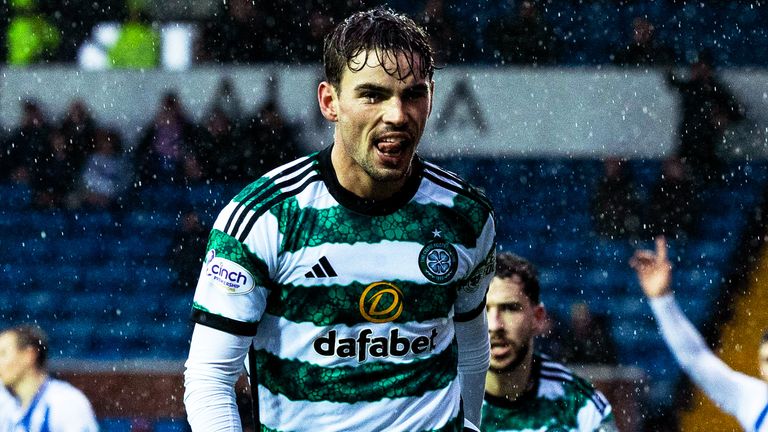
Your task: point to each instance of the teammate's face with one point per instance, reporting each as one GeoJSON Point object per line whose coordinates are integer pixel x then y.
{"type": "Point", "coordinates": [513, 321]}
{"type": "Point", "coordinates": [762, 356]}
{"type": "Point", "coordinates": [14, 362]}
{"type": "Point", "coordinates": [380, 119]}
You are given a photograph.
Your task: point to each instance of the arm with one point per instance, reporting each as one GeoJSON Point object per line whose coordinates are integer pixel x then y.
{"type": "Point", "coordinates": [734, 392]}
{"type": "Point", "coordinates": [474, 359]}
{"type": "Point", "coordinates": [471, 326]}
{"type": "Point", "coordinates": [214, 364]}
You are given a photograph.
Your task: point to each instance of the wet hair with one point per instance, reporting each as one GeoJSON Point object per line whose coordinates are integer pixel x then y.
{"type": "Point", "coordinates": [509, 265]}
{"type": "Point", "coordinates": [380, 32]}
{"type": "Point", "coordinates": [31, 336]}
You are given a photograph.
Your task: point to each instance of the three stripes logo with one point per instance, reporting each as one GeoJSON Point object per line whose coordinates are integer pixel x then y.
{"type": "Point", "coordinates": [322, 269]}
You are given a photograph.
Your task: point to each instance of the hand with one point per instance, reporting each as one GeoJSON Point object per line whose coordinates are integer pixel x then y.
{"type": "Point", "coordinates": [654, 271]}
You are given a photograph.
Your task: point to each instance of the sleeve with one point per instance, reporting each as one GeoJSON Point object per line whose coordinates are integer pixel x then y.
{"type": "Point", "coordinates": [233, 285]}
{"type": "Point", "coordinates": [73, 414]}
{"type": "Point", "coordinates": [734, 392]}
{"type": "Point", "coordinates": [470, 301]}
{"type": "Point", "coordinates": [216, 360]}
{"type": "Point", "coordinates": [471, 325]}
{"type": "Point", "coordinates": [474, 359]}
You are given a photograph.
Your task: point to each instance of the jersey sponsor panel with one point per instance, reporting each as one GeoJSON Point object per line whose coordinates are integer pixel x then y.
{"type": "Point", "coordinates": [342, 345]}
{"type": "Point", "coordinates": [433, 411]}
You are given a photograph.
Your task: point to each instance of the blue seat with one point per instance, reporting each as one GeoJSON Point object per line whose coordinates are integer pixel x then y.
{"type": "Point", "coordinates": [115, 424]}
{"type": "Point", "coordinates": [172, 425]}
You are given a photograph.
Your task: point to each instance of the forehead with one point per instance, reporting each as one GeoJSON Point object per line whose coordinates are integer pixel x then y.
{"type": "Point", "coordinates": [387, 66]}
{"type": "Point", "coordinates": [8, 339]}
{"type": "Point", "coordinates": [504, 290]}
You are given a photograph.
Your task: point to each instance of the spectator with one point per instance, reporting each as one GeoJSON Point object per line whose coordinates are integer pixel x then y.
{"type": "Point", "coordinates": [164, 153]}
{"type": "Point", "coordinates": [589, 338]}
{"type": "Point", "coordinates": [644, 49]}
{"type": "Point", "coordinates": [272, 140]}
{"type": "Point", "coordinates": [106, 174]}
{"type": "Point", "coordinates": [616, 205]}
{"type": "Point", "coordinates": [227, 101]}
{"type": "Point", "coordinates": [219, 153]}
{"type": "Point", "coordinates": [79, 129]}
{"type": "Point", "coordinates": [708, 109]}
{"type": "Point", "coordinates": [673, 206]}
{"type": "Point", "coordinates": [521, 38]}
{"type": "Point", "coordinates": [187, 248]}
{"type": "Point", "coordinates": [31, 38]}
{"type": "Point", "coordinates": [54, 175]}
{"type": "Point", "coordinates": [138, 45]}
{"type": "Point", "coordinates": [42, 403]}
{"type": "Point", "coordinates": [450, 43]}
{"type": "Point", "coordinates": [24, 144]}
{"type": "Point", "coordinates": [243, 32]}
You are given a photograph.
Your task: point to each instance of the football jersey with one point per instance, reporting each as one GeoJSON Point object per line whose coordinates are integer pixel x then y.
{"type": "Point", "coordinates": [351, 302]}
{"type": "Point", "coordinates": [57, 406]}
{"type": "Point", "coordinates": [558, 401]}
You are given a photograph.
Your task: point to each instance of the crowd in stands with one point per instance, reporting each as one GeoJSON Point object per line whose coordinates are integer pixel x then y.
{"type": "Point", "coordinates": [504, 32]}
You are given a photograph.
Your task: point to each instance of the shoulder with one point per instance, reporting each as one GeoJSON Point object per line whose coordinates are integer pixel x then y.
{"type": "Point", "coordinates": [270, 190]}
{"type": "Point", "coordinates": [452, 183]}
{"type": "Point", "coordinates": [573, 386]}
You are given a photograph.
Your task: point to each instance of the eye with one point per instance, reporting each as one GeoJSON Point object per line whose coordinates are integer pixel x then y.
{"type": "Point", "coordinates": [371, 97]}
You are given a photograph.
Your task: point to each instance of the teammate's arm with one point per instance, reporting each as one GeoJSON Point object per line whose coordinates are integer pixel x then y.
{"type": "Point", "coordinates": [215, 362]}
{"type": "Point", "coordinates": [723, 385]}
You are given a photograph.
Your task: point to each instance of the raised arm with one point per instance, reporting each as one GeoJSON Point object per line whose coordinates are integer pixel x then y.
{"type": "Point", "coordinates": [729, 389]}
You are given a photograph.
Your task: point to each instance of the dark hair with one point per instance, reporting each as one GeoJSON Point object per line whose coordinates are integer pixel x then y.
{"type": "Point", "coordinates": [764, 338]}
{"type": "Point", "coordinates": [32, 336]}
{"type": "Point", "coordinates": [382, 32]}
{"type": "Point", "coordinates": [509, 265]}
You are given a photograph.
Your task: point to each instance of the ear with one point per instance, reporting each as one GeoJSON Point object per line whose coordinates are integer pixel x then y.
{"type": "Point", "coordinates": [431, 95]}
{"type": "Point", "coordinates": [328, 100]}
{"type": "Point", "coordinates": [540, 320]}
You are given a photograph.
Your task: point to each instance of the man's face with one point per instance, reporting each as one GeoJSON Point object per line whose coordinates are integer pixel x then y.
{"type": "Point", "coordinates": [380, 117]}
{"type": "Point", "coordinates": [513, 321]}
{"type": "Point", "coordinates": [762, 358]}
{"type": "Point", "coordinates": [14, 362]}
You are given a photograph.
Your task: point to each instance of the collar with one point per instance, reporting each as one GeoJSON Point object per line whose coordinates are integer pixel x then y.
{"type": "Point", "coordinates": [368, 206]}
{"type": "Point", "coordinates": [530, 393]}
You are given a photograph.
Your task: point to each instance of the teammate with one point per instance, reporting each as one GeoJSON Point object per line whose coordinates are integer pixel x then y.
{"type": "Point", "coordinates": [527, 391]}
{"type": "Point", "coordinates": [41, 403]}
{"type": "Point", "coordinates": [742, 396]}
{"type": "Point", "coordinates": [354, 278]}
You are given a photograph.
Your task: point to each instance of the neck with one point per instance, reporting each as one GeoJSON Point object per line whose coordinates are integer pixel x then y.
{"type": "Point", "coordinates": [352, 177]}
{"type": "Point", "coordinates": [28, 387]}
{"type": "Point", "coordinates": [510, 384]}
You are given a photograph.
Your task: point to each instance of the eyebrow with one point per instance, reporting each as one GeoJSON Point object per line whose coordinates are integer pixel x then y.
{"type": "Point", "coordinates": [420, 88]}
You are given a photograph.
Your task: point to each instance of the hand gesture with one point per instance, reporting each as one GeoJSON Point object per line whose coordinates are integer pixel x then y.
{"type": "Point", "coordinates": [654, 271]}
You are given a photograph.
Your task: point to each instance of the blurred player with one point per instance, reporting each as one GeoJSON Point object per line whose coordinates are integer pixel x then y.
{"type": "Point", "coordinates": [41, 403]}
{"type": "Point", "coordinates": [742, 396]}
{"type": "Point", "coordinates": [354, 278]}
{"type": "Point", "coordinates": [526, 391]}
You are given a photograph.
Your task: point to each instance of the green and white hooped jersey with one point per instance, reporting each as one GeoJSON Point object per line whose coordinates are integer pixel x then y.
{"type": "Point", "coordinates": [558, 402]}
{"type": "Point", "coordinates": [352, 303]}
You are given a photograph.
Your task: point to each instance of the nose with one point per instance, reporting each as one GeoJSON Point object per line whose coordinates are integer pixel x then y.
{"type": "Point", "coordinates": [394, 112]}
{"type": "Point", "coordinates": [494, 320]}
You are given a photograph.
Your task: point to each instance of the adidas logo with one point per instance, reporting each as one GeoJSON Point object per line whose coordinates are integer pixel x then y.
{"type": "Point", "coordinates": [321, 270]}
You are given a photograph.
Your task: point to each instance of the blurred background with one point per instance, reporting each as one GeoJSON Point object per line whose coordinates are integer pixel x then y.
{"type": "Point", "coordinates": [592, 125]}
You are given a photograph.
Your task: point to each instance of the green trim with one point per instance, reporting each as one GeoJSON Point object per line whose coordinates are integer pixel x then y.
{"type": "Point", "coordinates": [368, 382]}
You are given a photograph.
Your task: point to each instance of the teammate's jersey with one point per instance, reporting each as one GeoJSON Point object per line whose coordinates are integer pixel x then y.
{"type": "Point", "coordinates": [558, 401]}
{"type": "Point", "coordinates": [57, 406]}
{"type": "Point", "coordinates": [738, 394]}
{"type": "Point", "coordinates": [352, 303]}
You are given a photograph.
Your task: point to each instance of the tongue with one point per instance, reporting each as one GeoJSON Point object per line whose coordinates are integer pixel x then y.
{"type": "Point", "coordinates": [388, 147]}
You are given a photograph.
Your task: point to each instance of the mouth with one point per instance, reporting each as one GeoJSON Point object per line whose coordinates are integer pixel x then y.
{"type": "Point", "coordinates": [392, 146]}
{"type": "Point", "coordinates": [500, 348]}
